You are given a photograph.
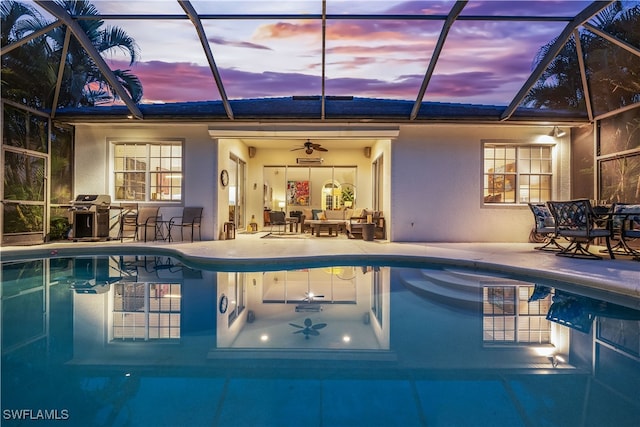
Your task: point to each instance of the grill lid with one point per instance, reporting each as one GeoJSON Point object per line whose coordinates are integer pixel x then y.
{"type": "Point", "coordinates": [93, 199]}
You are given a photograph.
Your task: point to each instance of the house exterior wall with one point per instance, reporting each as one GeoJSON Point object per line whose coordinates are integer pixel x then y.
{"type": "Point", "coordinates": [200, 157]}
{"type": "Point", "coordinates": [437, 180]}
{"type": "Point", "coordinates": [432, 186]}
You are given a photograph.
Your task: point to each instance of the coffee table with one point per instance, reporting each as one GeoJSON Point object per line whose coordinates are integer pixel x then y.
{"type": "Point", "coordinates": [318, 226]}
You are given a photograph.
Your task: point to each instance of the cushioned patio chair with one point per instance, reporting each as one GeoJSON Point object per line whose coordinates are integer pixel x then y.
{"type": "Point", "coordinates": [627, 218]}
{"type": "Point", "coordinates": [191, 218]}
{"type": "Point", "coordinates": [544, 229]}
{"type": "Point", "coordinates": [279, 219]}
{"type": "Point", "coordinates": [146, 223]}
{"type": "Point", "coordinates": [355, 224]}
{"type": "Point", "coordinates": [576, 222]}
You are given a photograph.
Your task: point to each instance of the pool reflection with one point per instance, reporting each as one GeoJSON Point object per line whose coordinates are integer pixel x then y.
{"type": "Point", "coordinates": [117, 315]}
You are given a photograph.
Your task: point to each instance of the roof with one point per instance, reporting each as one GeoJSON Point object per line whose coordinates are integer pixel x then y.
{"type": "Point", "coordinates": [309, 109]}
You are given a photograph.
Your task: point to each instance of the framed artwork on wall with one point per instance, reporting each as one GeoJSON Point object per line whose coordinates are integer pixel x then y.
{"type": "Point", "coordinates": [298, 193]}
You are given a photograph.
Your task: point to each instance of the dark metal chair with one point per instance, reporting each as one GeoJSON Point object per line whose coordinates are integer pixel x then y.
{"type": "Point", "coordinates": [278, 218]}
{"type": "Point", "coordinates": [191, 218]}
{"type": "Point", "coordinates": [128, 220]}
{"type": "Point", "coordinates": [576, 222]}
{"type": "Point", "coordinates": [544, 229]}
{"type": "Point", "coordinates": [147, 221]}
{"type": "Point", "coordinates": [626, 221]}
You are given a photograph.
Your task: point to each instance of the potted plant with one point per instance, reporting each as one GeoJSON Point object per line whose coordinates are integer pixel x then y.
{"type": "Point", "coordinates": [348, 197]}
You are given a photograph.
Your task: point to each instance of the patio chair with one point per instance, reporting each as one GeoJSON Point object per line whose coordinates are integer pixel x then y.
{"type": "Point", "coordinates": [544, 229]}
{"type": "Point", "coordinates": [191, 218]}
{"type": "Point", "coordinates": [128, 220]}
{"type": "Point", "coordinates": [627, 218]}
{"type": "Point", "coordinates": [576, 222]}
{"type": "Point", "coordinates": [147, 220]}
{"type": "Point", "coordinates": [279, 219]}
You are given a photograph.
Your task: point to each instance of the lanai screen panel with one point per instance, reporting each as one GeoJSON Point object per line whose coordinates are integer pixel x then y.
{"type": "Point", "coordinates": [487, 62]}
{"type": "Point", "coordinates": [267, 58]}
{"type": "Point", "coordinates": [378, 58]}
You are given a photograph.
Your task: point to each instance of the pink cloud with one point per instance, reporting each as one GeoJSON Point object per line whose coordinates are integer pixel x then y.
{"type": "Point", "coordinates": [173, 82]}
{"type": "Point", "coordinates": [178, 82]}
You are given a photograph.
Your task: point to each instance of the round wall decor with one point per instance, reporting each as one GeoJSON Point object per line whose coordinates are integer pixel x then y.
{"type": "Point", "coordinates": [224, 177]}
{"type": "Point", "coordinates": [224, 304]}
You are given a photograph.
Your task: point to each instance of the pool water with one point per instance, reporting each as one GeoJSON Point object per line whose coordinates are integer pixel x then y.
{"type": "Point", "coordinates": [151, 341]}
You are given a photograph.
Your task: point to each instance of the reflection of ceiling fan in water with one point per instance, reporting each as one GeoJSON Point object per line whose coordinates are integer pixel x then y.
{"type": "Point", "coordinates": [309, 147]}
{"type": "Point", "coordinates": [309, 328]}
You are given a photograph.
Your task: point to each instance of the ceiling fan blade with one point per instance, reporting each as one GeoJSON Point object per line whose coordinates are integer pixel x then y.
{"type": "Point", "coordinates": [299, 148]}
{"type": "Point", "coordinates": [321, 149]}
{"type": "Point", "coordinates": [296, 326]}
{"type": "Point", "coordinates": [301, 331]}
{"type": "Point", "coordinates": [312, 332]}
{"type": "Point", "coordinates": [319, 325]}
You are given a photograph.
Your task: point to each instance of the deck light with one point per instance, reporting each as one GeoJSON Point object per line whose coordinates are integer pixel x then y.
{"type": "Point", "coordinates": [557, 132]}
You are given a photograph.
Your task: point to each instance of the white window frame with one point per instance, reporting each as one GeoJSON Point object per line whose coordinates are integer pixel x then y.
{"type": "Point", "coordinates": [148, 197]}
{"type": "Point", "coordinates": [518, 146]}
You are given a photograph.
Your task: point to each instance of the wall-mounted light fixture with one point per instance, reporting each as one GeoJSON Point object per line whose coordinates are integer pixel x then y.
{"type": "Point", "coordinates": [557, 132]}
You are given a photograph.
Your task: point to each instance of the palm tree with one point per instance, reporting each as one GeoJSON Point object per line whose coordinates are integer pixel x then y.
{"type": "Point", "coordinates": [612, 73]}
{"type": "Point", "coordinates": [83, 84]}
{"type": "Point", "coordinates": [20, 65]}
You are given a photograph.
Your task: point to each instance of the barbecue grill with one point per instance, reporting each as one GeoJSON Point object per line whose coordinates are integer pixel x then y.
{"type": "Point", "coordinates": [90, 216]}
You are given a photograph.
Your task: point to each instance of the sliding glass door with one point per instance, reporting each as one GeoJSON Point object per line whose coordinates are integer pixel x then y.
{"type": "Point", "coordinates": [237, 192]}
{"type": "Point", "coordinates": [293, 188]}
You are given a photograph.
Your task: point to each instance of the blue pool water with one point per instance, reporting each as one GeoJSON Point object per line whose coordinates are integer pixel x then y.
{"type": "Point", "coordinates": [150, 341]}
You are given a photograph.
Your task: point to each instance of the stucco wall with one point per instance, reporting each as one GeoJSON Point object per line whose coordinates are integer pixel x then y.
{"type": "Point", "coordinates": [92, 164]}
{"type": "Point", "coordinates": [436, 185]}
{"type": "Point", "coordinates": [432, 185]}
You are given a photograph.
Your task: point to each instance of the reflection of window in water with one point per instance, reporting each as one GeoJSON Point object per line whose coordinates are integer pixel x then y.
{"type": "Point", "coordinates": [146, 311]}
{"type": "Point", "coordinates": [509, 316]}
{"type": "Point", "coordinates": [622, 334]}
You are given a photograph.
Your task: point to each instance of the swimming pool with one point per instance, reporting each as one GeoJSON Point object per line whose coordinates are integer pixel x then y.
{"type": "Point", "coordinates": [150, 340]}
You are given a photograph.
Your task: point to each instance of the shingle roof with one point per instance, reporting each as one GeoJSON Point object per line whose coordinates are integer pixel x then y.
{"type": "Point", "coordinates": [309, 108]}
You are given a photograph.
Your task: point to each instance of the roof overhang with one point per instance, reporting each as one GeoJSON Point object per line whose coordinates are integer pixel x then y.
{"type": "Point", "coordinates": [301, 132]}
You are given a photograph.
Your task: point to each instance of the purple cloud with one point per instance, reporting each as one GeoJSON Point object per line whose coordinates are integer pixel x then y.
{"type": "Point", "coordinates": [225, 42]}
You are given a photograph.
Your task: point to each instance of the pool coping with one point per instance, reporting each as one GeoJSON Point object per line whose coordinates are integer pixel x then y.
{"type": "Point", "coordinates": [620, 276]}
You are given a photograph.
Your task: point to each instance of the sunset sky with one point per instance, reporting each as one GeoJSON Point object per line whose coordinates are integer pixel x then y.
{"type": "Point", "coordinates": [483, 61]}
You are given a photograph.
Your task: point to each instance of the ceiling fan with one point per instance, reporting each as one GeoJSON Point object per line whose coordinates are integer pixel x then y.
{"type": "Point", "coordinates": [309, 147]}
{"type": "Point", "coordinates": [309, 328]}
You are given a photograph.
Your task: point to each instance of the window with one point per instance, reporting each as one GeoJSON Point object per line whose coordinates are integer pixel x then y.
{"type": "Point", "coordinates": [148, 172]}
{"type": "Point", "coordinates": [517, 173]}
{"type": "Point", "coordinates": [146, 311]}
{"type": "Point", "coordinates": [510, 316]}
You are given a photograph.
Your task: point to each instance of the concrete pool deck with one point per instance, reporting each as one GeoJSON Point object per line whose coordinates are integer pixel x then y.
{"type": "Point", "coordinates": [249, 252]}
